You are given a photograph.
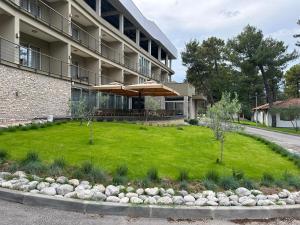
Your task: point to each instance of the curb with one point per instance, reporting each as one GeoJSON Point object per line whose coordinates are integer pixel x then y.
{"type": "Point", "coordinates": [163, 212]}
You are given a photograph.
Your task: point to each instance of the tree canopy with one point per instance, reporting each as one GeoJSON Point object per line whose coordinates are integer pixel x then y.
{"type": "Point", "coordinates": [292, 82]}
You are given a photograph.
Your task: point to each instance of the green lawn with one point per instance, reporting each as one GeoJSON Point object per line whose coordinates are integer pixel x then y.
{"type": "Point", "coordinates": [165, 148]}
{"type": "Point", "coordinates": [285, 130]}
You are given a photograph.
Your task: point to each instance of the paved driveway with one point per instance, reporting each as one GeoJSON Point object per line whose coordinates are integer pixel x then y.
{"type": "Point", "coordinates": [17, 214]}
{"type": "Point", "coordinates": [290, 142]}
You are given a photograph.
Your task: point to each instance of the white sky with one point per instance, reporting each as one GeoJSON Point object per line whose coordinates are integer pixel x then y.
{"type": "Point", "coordinates": [183, 20]}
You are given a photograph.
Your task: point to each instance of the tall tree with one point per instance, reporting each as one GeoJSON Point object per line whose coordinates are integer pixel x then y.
{"type": "Point", "coordinates": [266, 55]}
{"type": "Point", "coordinates": [297, 35]}
{"type": "Point", "coordinates": [292, 82]}
{"type": "Point", "coordinates": [206, 68]}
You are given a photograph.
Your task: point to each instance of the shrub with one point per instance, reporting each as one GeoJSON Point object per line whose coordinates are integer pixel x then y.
{"type": "Point", "coordinates": [119, 180]}
{"type": "Point", "coordinates": [291, 180]}
{"type": "Point", "coordinates": [209, 184]}
{"type": "Point", "coordinates": [229, 183]}
{"type": "Point", "coordinates": [180, 128]}
{"type": "Point", "coordinates": [59, 162]}
{"type": "Point", "coordinates": [238, 174]}
{"type": "Point", "coordinates": [213, 176]}
{"type": "Point", "coordinates": [3, 154]}
{"type": "Point", "coordinates": [57, 167]}
{"type": "Point", "coordinates": [13, 167]}
{"type": "Point", "coordinates": [122, 170]}
{"type": "Point", "coordinates": [267, 180]}
{"type": "Point", "coordinates": [11, 129]}
{"type": "Point", "coordinates": [183, 175]}
{"type": "Point", "coordinates": [89, 172]}
{"type": "Point", "coordinates": [193, 122]}
{"type": "Point", "coordinates": [31, 157]}
{"type": "Point", "coordinates": [34, 167]}
{"type": "Point", "coordinates": [34, 126]}
{"type": "Point", "coordinates": [143, 182]}
{"type": "Point", "coordinates": [86, 167]}
{"type": "Point", "coordinates": [249, 184]}
{"type": "Point", "coordinates": [184, 185]}
{"type": "Point", "coordinates": [152, 175]}
{"type": "Point", "coordinates": [97, 175]}
{"type": "Point", "coordinates": [143, 128]}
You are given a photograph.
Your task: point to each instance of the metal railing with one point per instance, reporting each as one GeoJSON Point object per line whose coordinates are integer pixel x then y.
{"type": "Point", "coordinates": [35, 61]}
{"type": "Point", "coordinates": [52, 18]}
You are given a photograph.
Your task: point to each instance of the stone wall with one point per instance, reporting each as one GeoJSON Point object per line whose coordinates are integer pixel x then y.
{"type": "Point", "coordinates": [26, 95]}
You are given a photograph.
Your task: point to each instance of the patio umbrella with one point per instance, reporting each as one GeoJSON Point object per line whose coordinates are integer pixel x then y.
{"type": "Point", "coordinates": [115, 88]}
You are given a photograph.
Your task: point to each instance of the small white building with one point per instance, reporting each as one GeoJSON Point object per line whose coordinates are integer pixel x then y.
{"type": "Point", "coordinates": [263, 115]}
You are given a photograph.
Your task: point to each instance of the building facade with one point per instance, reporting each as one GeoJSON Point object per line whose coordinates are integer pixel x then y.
{"type": "Point", "coordinates": [53, 51]}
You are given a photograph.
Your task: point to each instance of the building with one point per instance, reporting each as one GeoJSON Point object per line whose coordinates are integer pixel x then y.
{"type": "Point", "coordinates": [188, 103]}
{"type": "Point", "coordinates": [262, 114]}
{"type": "Point", "coordinates": [53, 51]}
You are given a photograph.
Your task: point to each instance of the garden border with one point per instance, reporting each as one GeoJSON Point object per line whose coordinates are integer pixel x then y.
{"type": "Point", "coordinates": [165, 212]}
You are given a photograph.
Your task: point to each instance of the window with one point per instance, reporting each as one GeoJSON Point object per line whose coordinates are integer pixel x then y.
{"type": "Point", "coordinates": [30, 56]}
{"type": "Point", "coordinates": [31, 7]}
{"type": "Point", "coordinates": [75, 32]}
{"type": "Point", "coordinates": [75, 70]}
{"type": "Point", "coordinates": [285, 117]}
{"type": "Point", "coordinates": [144, 65]}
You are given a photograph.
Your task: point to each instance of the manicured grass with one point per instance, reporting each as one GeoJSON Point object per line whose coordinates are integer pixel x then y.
{"type": "Point", "coordinates": [167, 149]}
{"type": "Point", "coordinates": [285, 130]}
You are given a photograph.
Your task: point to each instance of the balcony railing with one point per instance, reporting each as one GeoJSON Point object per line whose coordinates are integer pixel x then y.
{"type": "Point", "coordinates": [52, 18]}
{"type": "Point", "coordinates": [32, 60]}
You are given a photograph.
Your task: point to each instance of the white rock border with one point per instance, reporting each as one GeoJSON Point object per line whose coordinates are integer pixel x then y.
{"type": "Point", "coordinates": [64, 188]}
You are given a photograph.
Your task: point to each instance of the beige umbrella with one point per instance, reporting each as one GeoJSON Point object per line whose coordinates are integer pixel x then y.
{"type": "Point", "coordinates": [151, 88]}
{"type": "Point", "coordinates": [115, 88]}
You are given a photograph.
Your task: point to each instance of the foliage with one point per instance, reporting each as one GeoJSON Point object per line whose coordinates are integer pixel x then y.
{"type": "Point", "coordinates": [194, 122]}
{"type": "Point", "coordinates": [152, 175]}
{"type": "Point", "coordinates": [31, 156]}
{"type": "Point", "coordinates": [209, 184]}
{"type": "Point", "coordinates": [122, 170]}
{"type": "Point", "coordinates": [221, 115]}
{"type": "Point", "coordinates": [183, 175]}
{"type": "Point", "coordinates": [213, 176]}
{"type": "Point", "coordinates": [292, 82]}
{"type": "Point", "coordinates": [229, 183]}
{"type": "Point", "coordinates": [3, 154]}
{"type": "Point", "coordinates": [292, 113]}
{"type": "Point", "coordinates": [267, 180]}
{"type": "Point", "coordinates": [152, 103]}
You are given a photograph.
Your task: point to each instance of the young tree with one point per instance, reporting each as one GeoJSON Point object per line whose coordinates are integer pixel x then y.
{"type": "Point", "coordinates": [292, 113]}
{"type": "Point", "coordinates": [264, 54]}
{"type": "Point", "coordinates": [221, 117]}
{"type": "Point", "coordinates": [292, 82]}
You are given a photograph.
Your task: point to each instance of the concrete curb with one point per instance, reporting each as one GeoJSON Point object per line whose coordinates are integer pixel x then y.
{"type": "Point", "coordinates": [165, 212]}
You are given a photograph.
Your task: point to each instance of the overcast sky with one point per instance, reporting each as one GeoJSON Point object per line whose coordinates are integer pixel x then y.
{"type": "Point", "coordinates": [183, 20]}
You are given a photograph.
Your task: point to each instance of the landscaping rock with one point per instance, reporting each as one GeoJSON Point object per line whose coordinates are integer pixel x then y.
{"type": "Point", "coordinates": [98, 196]}
{"type": "Point", "coordinates": [150, 201]}
{"type": "Point", "coordinates": [224, 201]}
{"type": "Point", "coordinates": [140, 191]}
{"type": "Point", "coordinates": [165, 201]}
{"type": "Point", "coordinates": [74, 182]}
{"type": "Point", "coordinates": [152, 191]}
{"type": "Point", "coordinates": [284, 194]}
{"type": "Point", "coordinates": [42, 185]}
{"type": "Point", "coordinates": [112, 190]}
{"type": "Point", "coordinates": [200, 201]}
{"type": "Point", "coordinates": [229, 193]}
{"type": "Point", "coordinates": [241, 192]}
{"type": "Point", "coordinates": [99, 188]}
{"type": "Point", "coordinates": [289, 201]}
{"type": "Point", "coordinates": [48, 191]}
{"type": "Point", "coordinates": [4, 175]}
{"type": "Point", "coordinates": [124, 200]}
{"type": "Point", "coordinates": [261, 197]}
{"type": "Point", "coordinates": [20, 174]}
{"type": "Point", "coordinates": [246, 201]}
{"type": "Point", "coordinates": [37, 178]}
{"type": "Point", "coordinates": [130, 195]}
{"type": "Point", "coordinates": [183, 192]}
{"type": "Point", "coordinates": [121, 195]}
{"type": "Point", "coordinates": [208, 193]}
{"type": "Point", "coordinates": [256, 192]}
{"type": "Point", "coordinates": [71, 195]}
{"type": "Point", "coordinates": [273, 197]}
{"type": "Point", "coordinates": [178, 200]}
{"type": "Point", "coordinates": [266, 202]}
{"type": "Point", "coordinates": [136, 200]}
{"type": "Point", "coordinates": [62, 180]}
{"type": "Point", "coordinates": [55, 185]}
{"type": "Point", "coordinates": [84, 194]}
{"type": "Point", "coordinates": [35, 191]}
{"type": "Point", "coordinates": [7, 184]}
{"type": "Point", "coordinates": [170, 191]}
{"type": "Point", "coordinates": [50, 180]}
{"type": "Point", "coordinates": [211, 203]}
{"type": "Point", "coordinates": [129, 189]}
{"type": "Point", "coordinates": [234, 198]}
{"type": "Point", "coordinates": [64, 189]}
{"type": "Point", "coordinates": [189, 198]}
{"type": "Point", "coordinates": [113, 199]}
{"type": "Point", "coordinates": [85, 182]}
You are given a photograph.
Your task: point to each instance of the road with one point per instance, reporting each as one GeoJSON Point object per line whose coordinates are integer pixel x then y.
{"type": "Point", "coordinates": [17, 214]}
{"type": "Point", "coordinates": [290, 142]}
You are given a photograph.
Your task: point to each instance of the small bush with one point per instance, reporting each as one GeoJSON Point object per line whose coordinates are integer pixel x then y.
{"type": "Point", "coordinates": [24, 128]}
{"type": "Point", "coordinates": [97, 175]}
{"type": "Point", "coordinates": [34, 167]}
{"type": "Point", "coordinates": [209, 184]}
{"type": "Point", "coordinates": [122, 170]}
{"type": "Point", "coordinates": [152, 175]}
{"type": "Point", "coordinates": [184, 185]}
{"type": "Point", "coordinates": [193, 122]}
{"type": "Point", "coordinates": [119, 180]}
{"type": "Point", "coordinates": [229, 183]}
{"type": "Point", "coordinates": [180, 128]}
{"type": "Point", "coordinates": [183, 175]}
{"type": "Point", "coordinates": [267, 180]}
{"type": "Point", "coordinates": [34, 126]}
{"type": "Point", "coordinates": [213, 176]}
{"type": "Point", "coordinates": [249, 184]}
{"type": "Point", "coordinates": [143, 128]}
{"type": "Point", "coordinates": [143, 182]}
{"type": "Point", "coordinates": [86, 167]}
{"type": "Point", "coordinates": [59, 162]}
{"type": "Point", "coordinates": [13, 167]}
{"type": "Point", "coordinates": [238, 174]}
{"type": "Point", "coordinates": [3, 154]}
{"type": "Point", "coordinates": [11, 129]}
{"type": "Point", "coordinates": [31, 157]}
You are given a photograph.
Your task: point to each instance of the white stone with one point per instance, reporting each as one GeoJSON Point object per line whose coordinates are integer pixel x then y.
{"type": "Point", "coordinates": [112, 190]}
{"type": "Point", "coordinates": [113, 199]}
{"type": "Point", "coordinates": [99, 187]}
{"type": "Point", "coordinates": [121, 195]}
{"type": "Point", "coordinates": [85, 182]}
{"type": "Point", "coordinates": [71, 195]}
{"type": "Point", "coordinates": [211, 203]}
{"type": "Point", "coordinates": [256, 192]}
{"type": "Point", "coordinates": [55, 185]}
{"type": "Point", "coordinates": [136, 200]}
{"type": "Point", "coordinates": [178, 200]}
{"type": "Point", "coordinates": [224, 201]}
{"type": "Point", "coordinates": [152, 191]}
{"type": "Point", "coordinates": [20, 174]}
{"type": "Point", "coordinates": [42, 185]}
{"type": "Point", "coordinates": [35, 191]}
{"type": "Point", "coordinates": [247, 201]}
{"type": "Point", "coordinates": [7, 184]}
{"type": "Point", "coordinates": [183, 192]}
{"type": "Point", "coordinates": [212, 198]}
{"type": "Point", "coordinates": [261, 197]}
{"type": "Point", "coordinates": [74, 182]}
{"type": "Point", "coordinates": [273, 197]}
{"type": "Point", "coordinates": [189, 198]}
{"type": "Point", "coordinates": [143, 197]}
{"type": "Point", "coordinates": [234, 198]}
{"type": "Point", "coordinates": [165, 201]}
{"type": "Point", "coordinates": [297, 200]}
{"type": "Point", "coordinates": [129, 189]}
{"type": "Point", "coordinates": [201, 202]}
{"type": "Point", "coordinates": [4, 174]}
{"type": "Point", "coordinates": [208, 193]}
{"type": "Point", "coordinates": [150, 201]}
{"type": "Point", "coordinates": [50, 180]}
{"type": "Point", "coordinates": [280, 202]}
{"type": "Point", "coordinates": [266, 202]}
{"type": "Point", "coordinates": [140, 191]}
{"type": "Point", "coordinates": [284, 194]}
{"type": "Point", "coordinates": [289, 201]}
{"type": "Point", "coordinates": [98, 196]}
{"type": "Point", "coordinates": [48, 191]}
{"type": "Point", "coordinates": [84, 194]}
{"type": "Point", "coordinates": [64, 189]}
{"type": "Point", "coordinates": [170, 191]}
{"type": "Point", "coordinates": [62, 180]}
{"type": "Point", "coordinates": [130, 195]}
{"type": "Point", "coordinates": [229, 193]}
{"type": "Point", "coordinates": [124, 200]}
{"type": "Point", "coordinates": [241, 192]}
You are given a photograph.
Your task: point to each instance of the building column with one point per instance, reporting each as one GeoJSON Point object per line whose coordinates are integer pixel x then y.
{"type": "Point", "coordinates": [138, 37]}
{"type": "Point", "coordinates": [121, 23]}
{"type": "Point", "coordinates": [150, 46]}
{"type": "Point", "coordinates": [170, 63]}
{"type": "Point", "coordinates": [159, 53]}
{"type": "Point", "coordinates": [186, 106]}
{"type": "Point", "coordinates": [167, 60]}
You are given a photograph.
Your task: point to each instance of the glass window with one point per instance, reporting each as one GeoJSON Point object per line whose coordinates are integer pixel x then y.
{"type": "Point", "coordinates": [30, 56]}
{"type": "Point", "coordinates": [75, 32]}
